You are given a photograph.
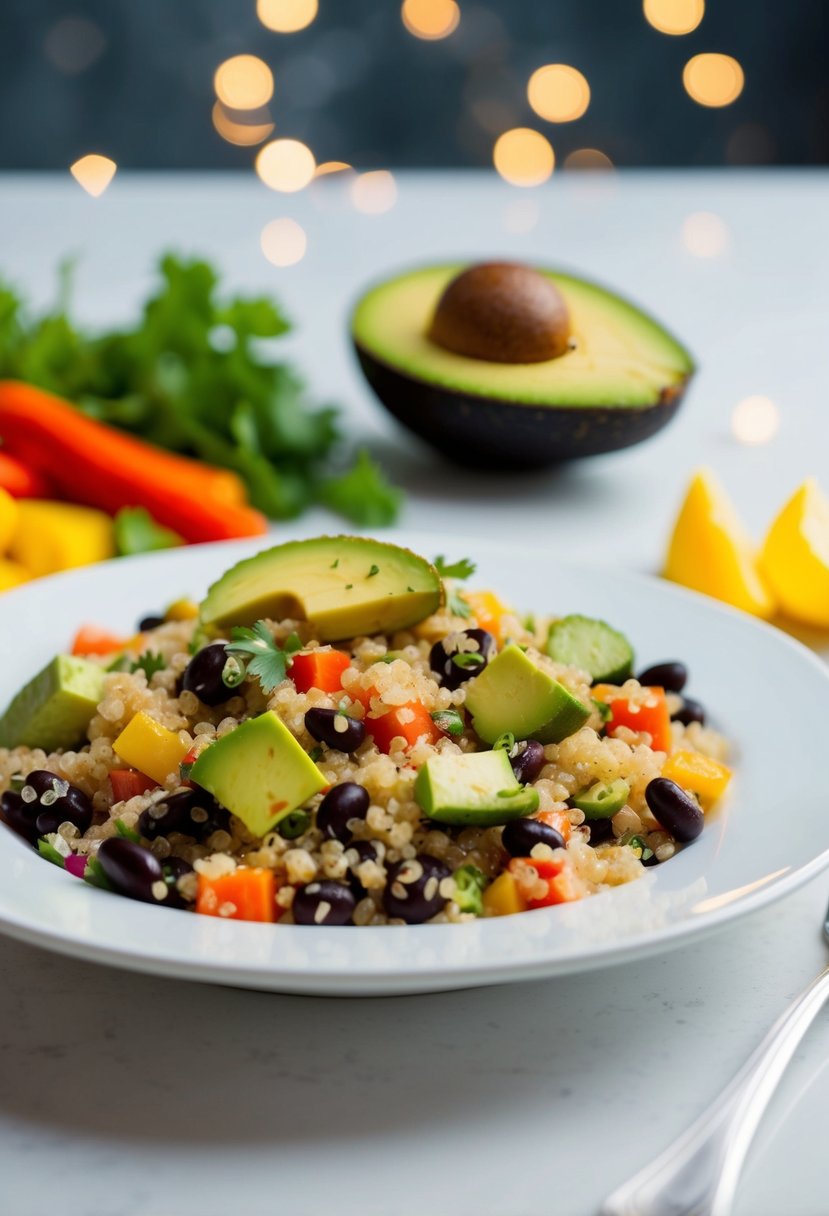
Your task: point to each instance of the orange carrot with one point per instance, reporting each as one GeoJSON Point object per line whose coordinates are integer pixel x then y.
{"type": "Point", "coordinates": [559, 820]}
{"type": "Point", "coordinates": [91, 639]}
{"type": "Point", "coordinates": [128, 782]}
{"type": "Point", "coordinates": [96, 464]}
{"type": "Point", "coordinates": [416, 721]}
{"type": "Point", "coordinates": [249, 893]}
{"type": "Point", "coordinates": [21, 481]}
{"type": "Point", "coordinates": [321, 669]}
{"type": "Point", "coordinates": [655, 718]}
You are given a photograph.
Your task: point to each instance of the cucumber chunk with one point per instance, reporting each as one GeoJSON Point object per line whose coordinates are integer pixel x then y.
{"type": "Point", "coordinates": [594, 646]}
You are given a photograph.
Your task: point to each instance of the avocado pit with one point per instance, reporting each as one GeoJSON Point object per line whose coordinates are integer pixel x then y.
{"type": "Point", "coordinates": [502, 312]}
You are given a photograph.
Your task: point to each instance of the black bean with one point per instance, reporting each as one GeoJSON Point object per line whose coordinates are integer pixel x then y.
{"type": "Point", "coordinates": [520, 837]}
{"type": "Point", "coordinates": [193, 812]}
{"type": "Point", "coordinates": [529, 761]}
{"type": "Point", "coordinates": [341, 804]}
{"type": "Point", "coordinates": [453, 662]}
{"type": "Point", "coordinates": [323, 903]}
{"type": "Point", "coordinates": [50, 801]}
{"type": "Point", "coordinates": [203, 675]}
{"type": "Point", "coordinates": [366, 850]}
{"type": "Point", "coordinates": [412, 891]}
{"type": "Point", "coordinates": [335, 729]}
{"type": "Point", "coordinates": [16, 815]}
{"type": "Point", "coordinates": [677, 811]}
{"type": "Point", "coordinates": [149, 622]}
{"type": "Point", "coordinates": [132, 870]}
{"type": "Point", "coordinates": [691, 711]}
{"type": "Point", "coordinates": [672, 676]}
{"type": "Point", "coordinates": [601, 830]}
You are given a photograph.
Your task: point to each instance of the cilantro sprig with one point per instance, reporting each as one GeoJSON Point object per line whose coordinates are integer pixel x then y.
{"type": "Point", "coordinates": [461, 570]}
{"type": "Point", "coordinates": [261, 654]}
{"type": "Point", "coordinates": [149, 663]}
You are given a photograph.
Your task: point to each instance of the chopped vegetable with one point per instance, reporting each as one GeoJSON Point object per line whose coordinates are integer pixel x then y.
{"type": "Point", "coordinates": [456, 603]}
{"type": "Point", "coordinates": [470, 883]}
{"type": "Point", "coordinates": [697, 773]}
{"type": "Point", "coordinates": [150, 747]}
{"type": "Point", "coordinates": [449, 721]}
{"type": "Point", "coordinates": [363, 494]}
{"type": "Point", "coordinates": [182, 610]}
{"type": "Point", "coordinates": [51, 536]}
{"type": "Point", "coordinates": [21, 481]}
{"type": "Point", "coordinates": [559, 820]}
{"type": "Point", "coordinates": [582, 641]}
{"type": "Point", "coordinates": [49, 851]}
{"type": "Point", "coordinates": [503, 897]}
{"type": "Point", "coordinates": [149, 663]}
{"type": "Point", "coordinates": [487, 610]}
{"type": "Point", "coordinates": [409, 722]}
{"type": "Point", "coordinates": [91, 639]}
{"type": "Point", "coordinates": [125, 832]}
{"type": "Point", "coordinates": [653, 716]}
{"type": "Point", "coordinates": [268, 660]}
{"type": "Point", "coordinates": [555, 875]}
{"type": "Point", "coordinates": [94, 464]}
{"type": "Point", "coordinates": [294, 825]}
{"type": "Point", "coordinates": [602, 799]}
{"type": "Point", "coordinates": [128, 783]}
{"type": "Point", "coordinates": [249, 893]}
{"type": "Point", "coordinates": [322, 668]}
{"type": "Point", "coordinates": [137, 532]}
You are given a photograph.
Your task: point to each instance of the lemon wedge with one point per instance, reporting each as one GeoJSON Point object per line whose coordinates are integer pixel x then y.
{"type": "Point", "coordinates": [710, 550]}
{"type": "Point", "coordinates": [795, 557]}
{"type": "Point", "coordinates": [12, 574]}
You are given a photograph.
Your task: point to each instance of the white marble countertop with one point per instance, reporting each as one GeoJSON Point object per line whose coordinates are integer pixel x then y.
{"type": "Point", "coordinates": [123, 1095]}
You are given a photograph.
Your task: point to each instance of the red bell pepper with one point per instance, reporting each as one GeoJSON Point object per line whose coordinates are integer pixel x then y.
{"type": "Point", "coordinates": [321, 669]}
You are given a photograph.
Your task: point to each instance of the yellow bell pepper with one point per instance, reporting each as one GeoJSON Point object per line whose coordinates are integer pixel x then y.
{"type": "Point", "coordinates": [502, 897]}
{"type": "Point", "coordinates": [150, 747]}
{"type": "Point", "coordinates": [795, 556]}
{"type": "Point", "coordinates": [182, 610]}
{"type": "Point", "coordinates": [697, 773]}
{"type": "Point", "coordinates": [12, 574]}
{"type": "Point", "coordinates": [8, 519]}
{"type": "Point", "coordinates": [52, 536]}
{"type": "Point", "coordinates": [487, 610]}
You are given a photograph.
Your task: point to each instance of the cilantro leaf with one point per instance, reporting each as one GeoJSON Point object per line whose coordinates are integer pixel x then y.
{"type": "Point", "coordinates": [137, 532]}
{"type": "Point", "coordinates": [149, 663]}
{"type": "Point", "coordinates": [456, 604]}
{"type": "Point", "coordinates": [462, 569]}
{"type": "Point", "coordinates": [265, 658]}
{"type": "Point", "coordinates": [362, 494]}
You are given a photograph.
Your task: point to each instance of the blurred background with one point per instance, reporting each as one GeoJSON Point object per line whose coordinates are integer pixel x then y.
{"type": "Point", "coordinates": [206, 84]}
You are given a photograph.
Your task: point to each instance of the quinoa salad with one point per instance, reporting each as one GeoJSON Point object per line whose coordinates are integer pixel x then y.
{"type": "Point", "coordinates": [345, 733]}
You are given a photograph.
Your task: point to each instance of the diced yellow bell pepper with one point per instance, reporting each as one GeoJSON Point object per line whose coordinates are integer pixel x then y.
{"type": "Point", "coordinates": [182, 610]}
{"type": "Point", "coordinates": [52, 536]}
{"type": "Point", "coordinates": [795, 557]}
{"type": "Point", "coordinates": [502, 897]}
{"type": "Point", "coordinates": [487, 610]}
{"type": "Point", "coordinates": [150, 747]}
{"type": "Point", "coordinates": [711, 552]}
{"type": "Point", "coordinates": [8, 519]}
{"type": "Point", "coordinates": [12, 574]}
{"type": "Point", "coordinates": [697, 773]}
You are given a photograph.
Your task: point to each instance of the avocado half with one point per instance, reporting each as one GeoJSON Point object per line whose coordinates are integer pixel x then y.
{"type": "Point", "coordinates": [620, 381]}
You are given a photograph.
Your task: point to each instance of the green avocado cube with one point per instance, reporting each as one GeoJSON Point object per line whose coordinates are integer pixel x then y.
{"type": "Point", "coordinates": [512, 695]}
{"type": "Point", "coordinates": [55, 708]}
{"type": "Point", "coordinates": [259, 772]}
{"type": "Point", "coordinates": [476, 789]}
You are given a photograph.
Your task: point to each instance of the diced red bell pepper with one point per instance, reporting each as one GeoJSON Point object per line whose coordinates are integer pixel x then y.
{"type": "Point", "coordinates": [655, 718]}
{"type": "Point", "coordinates": [128, 782]}
{"type": "Point", "coordinates": [417, 722]}
{"type": "Point", "coordinates": [249, 893]}
{"type": "Point", "coordinates": [321, 669]}
{"type": "Point", "coordinates": [91, 639]}
{"type": "Point", "coordinates": [557, 875]}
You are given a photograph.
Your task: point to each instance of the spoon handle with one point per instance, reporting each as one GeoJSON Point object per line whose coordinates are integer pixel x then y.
{"type": "Point", "coordinates": [697, 1175]}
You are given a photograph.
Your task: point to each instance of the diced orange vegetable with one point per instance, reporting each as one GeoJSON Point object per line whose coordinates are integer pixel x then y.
{"type": "Point", "coordinates": [655, 718]}
{"type": "Point", "coordinates": [559, 820]}
{"type": "Point", "coordinates": [697, 773]}
{"type": "Point", "coordinates": [416, 724]}
{"type": "Point", "coordinates": [555, 874]}
{"type": "Point", "coordinates": [128, 783]}
{"type": "Point", "coordinates": [91, 639]}
{"type": "Point", "coordinates": [487, 610]}
{"type": "Point", "coordinates": [502, 897]}
{"type": "Point", "coordinates": [249, 893]}
{"type": "Point", "coordinates": [321, 669]}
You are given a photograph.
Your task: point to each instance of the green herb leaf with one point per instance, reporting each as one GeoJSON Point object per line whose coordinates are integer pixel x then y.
{"type": "Point", "coordinates": [315, 754]}
{"type": "Point", "coordinates": [127, 833]}
{"type": "Point", "coordinates": [264, 657]}
{"type": "Point", "coordinates": [374, 570]}
{"type": "Point", "coordinates": [137, 532]}
{"type": "Point", "coordinates": [449, 721]}
{"type": "Point", "coordinates": [149, 663]}
{"type": "Point", "coordinates": [462, 569]}
{"type": "Point", "coordinates": [362, 494]}
{"type": "Point", "coordinates": [49, 851]}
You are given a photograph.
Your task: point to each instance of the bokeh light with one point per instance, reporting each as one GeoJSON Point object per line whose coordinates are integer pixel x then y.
{"type": "Point", "coordinates": [93, 173]}
{"type": "Point", "coordinates": [558, 92]}
{"type": "Point", "coordinates": [523, 157]}
{"type": "Point", "coordinates": [243, 82]}
{"type": "Point", "coordinates": [332, 166]}
{"type": "Point", "coordinates": [588, 158]}
{"type": "Point", "coordinates": [755, 420]}
{"type": "Point", "coordinates": [286, 16]}
{"type": "Point", "coordinates": [430, 19]}
{"type": "Point", "coordinates": [712, 79]}
{"type": "Point", "coordinates": [283, 242]}
{"type": "Point", "coordinates": [73, 44]}
{"type": "Point", "coordinates": [374, 192]}
{"type": "Point", "coordinates": [705, 234]}
{"type": "Point", "coordinates": [244, 134]}
{"type": "Point", "coordinates": [674, 16]}
{"type": "Point", "coordinates": [286, 165]}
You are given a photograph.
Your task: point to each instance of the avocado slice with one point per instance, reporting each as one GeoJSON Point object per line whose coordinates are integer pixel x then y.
{"type": "Point", "coordinates": [56, 706]}
{"type": "Point", "coordinates": [475, 789]}
{"type": "Point", "coordinates": [512, 695]}
{"type": "Point", "coordinates": [259, 772]}
{"type": "Point", "coordinates": [620, 380]}
{"type": "Point", "coordinates": [343, 585]}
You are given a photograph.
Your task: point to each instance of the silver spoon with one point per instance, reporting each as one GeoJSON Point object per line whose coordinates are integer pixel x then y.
{"type": "Point", "coordinates": [697, 1175]}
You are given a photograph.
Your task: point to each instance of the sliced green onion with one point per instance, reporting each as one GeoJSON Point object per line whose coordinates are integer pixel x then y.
{"type": "Point", "coordinates": [127, 833]}
{"type": "Point", "coordinates": [233, 672]}
{"type": "Point", "coordinates": [468, 658]}
{"type": "Point", "coordinates": [49, 851]}
{"type": "Point", "coordinates": [449, 721]}
{"type": "Point", "coordinates": [295, 824]}
{"type": "Point", "coordinates": [504, 742]}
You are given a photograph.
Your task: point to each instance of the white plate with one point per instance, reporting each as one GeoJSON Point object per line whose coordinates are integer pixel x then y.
{"type": "Point", "coordinates": [768, 693]}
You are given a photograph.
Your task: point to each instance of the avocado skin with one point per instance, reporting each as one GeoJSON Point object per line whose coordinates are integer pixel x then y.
{"type": "Point", "coordinates": [486, 433]}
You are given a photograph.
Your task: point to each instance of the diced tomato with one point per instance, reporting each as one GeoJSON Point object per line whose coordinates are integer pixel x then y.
{"type": "Point", "coordinates": [91, 639]}
{"type": "Point", "coordinates": [321, 669]}
{"type": "Point", "coordinates": [128, 782]}
{"type": "Point", "coordinates": [556, 874]}
{"type": "Point", "coordinates": [249, 893]}
{"type": "Point", "coordinates": [655, 718]}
